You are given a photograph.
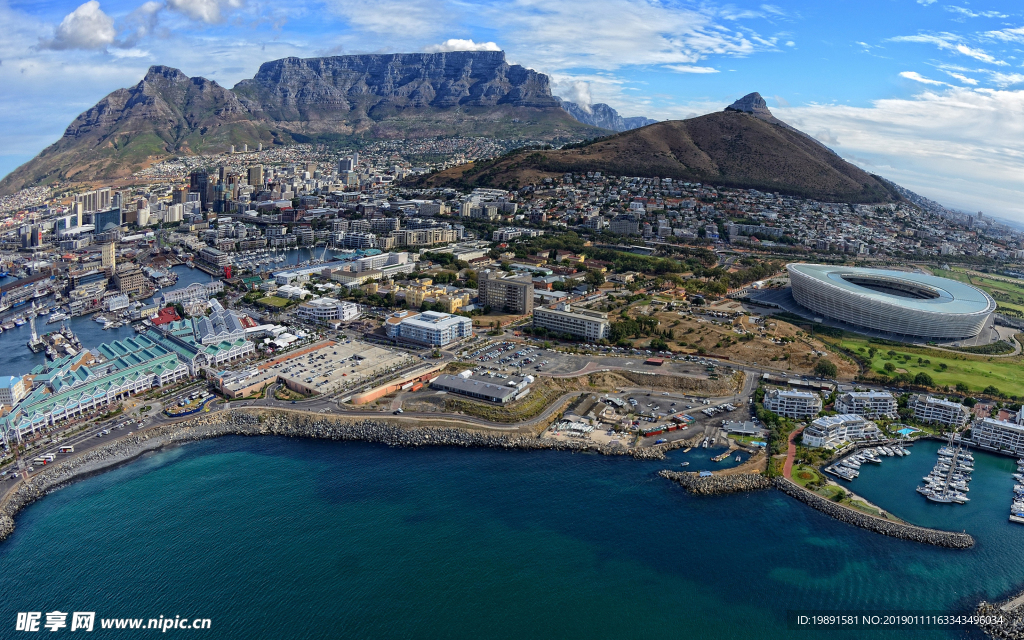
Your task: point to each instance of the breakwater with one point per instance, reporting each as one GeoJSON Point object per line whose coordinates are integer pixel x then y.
{"type": "Point", "coordinates": [899, 530]}
{"type": "Point", "coordinates": [1002, 620]}
{"type": "Point", "coordinates": [261, 422]}
{"type": "Point", "coordinates": [715, 484]}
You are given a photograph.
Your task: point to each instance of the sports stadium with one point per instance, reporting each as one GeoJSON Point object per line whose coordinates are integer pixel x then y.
{"type": "Point", "coordinates": [893, 302]}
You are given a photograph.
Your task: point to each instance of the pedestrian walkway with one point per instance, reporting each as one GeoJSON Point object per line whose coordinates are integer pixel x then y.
{"type": "Point", "coordinates": [787, 469]}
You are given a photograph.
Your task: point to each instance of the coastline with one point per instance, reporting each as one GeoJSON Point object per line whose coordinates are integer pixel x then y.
{"type": "Point", "coordinates": [276, 422]}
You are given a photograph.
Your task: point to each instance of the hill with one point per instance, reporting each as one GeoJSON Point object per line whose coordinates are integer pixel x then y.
{"type": "Point", "coordinates": [338, 98]}
{"type": "Point", "coordinates": [744, 146]}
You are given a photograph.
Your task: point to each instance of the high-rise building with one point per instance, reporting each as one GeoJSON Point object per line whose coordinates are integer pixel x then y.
{"type": "Point", "coordinates": [106, 220]}
{"type": "Point", "coordinates": [199, 182]}
{"type": "Point", "coordinates": [256, 175]}
{"type": "Point", "coordinates": [346, 164]}
{"type": "Point", "coordinates": [97, 200]}
{"type": "Point", "coordinates": [108, 257]}
{"type": "Point", "coordinates": [179, 194]}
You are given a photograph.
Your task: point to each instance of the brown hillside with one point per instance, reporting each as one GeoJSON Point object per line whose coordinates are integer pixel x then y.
{"type": "Point", "coordinates": [732, 148]}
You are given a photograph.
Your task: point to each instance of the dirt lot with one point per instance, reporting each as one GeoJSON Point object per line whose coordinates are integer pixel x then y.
{"type": "Point", "coordinates": [779, 345]}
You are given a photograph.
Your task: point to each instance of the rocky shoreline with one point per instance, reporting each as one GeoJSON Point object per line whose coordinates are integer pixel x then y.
{"type": "Point", "coordinates": [1012, 627]}
{"type": "Point", "coordinates": [714, 485]}
{"type": "Point", "coordinates": [899, 530]}
{"type": "Point", "coordinates": [272, 423]}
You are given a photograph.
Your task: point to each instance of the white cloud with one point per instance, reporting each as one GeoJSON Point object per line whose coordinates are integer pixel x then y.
{"type": "Point", "coordinates": [955, 145]}
{"type": "Point", "coordinates": [962, 78]}
{"type": "Point", "coordinates": [950, 42]}
{"type": "Point", "coordinates": [971, 14]}
{"type": "Point", "coordinates": [402, 20]}
{"type": "Point", "coordinates": [686, 68]}
{"type": "Point", "coordinates": [926, 2]}
{"type": "Point", "coordinates": [917, 77]}
{"type": "Point", "coordinates": [1006, 35]}
{"type": "Point", "coordinates": [454, 44]}
{"type": "Point", "coordinates": [1006, 79]}
{"type": "Point", "coordinates": [577, 91]}
{"type": "Point", "coordinates": [210, 11]}
{"type": "Point", "coordinates": [87, 27]}
{"type": "Point", "coordinates": [978, 54]}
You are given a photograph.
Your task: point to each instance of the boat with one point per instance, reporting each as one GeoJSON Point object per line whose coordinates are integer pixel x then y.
{"type": "Point", "coordinates": [100, 319]}
{"type": "Point", "coordinates": [7, 325]}
{"type": "Point", "coordinates": [898, 451]}
{"type": "Point", "coordinates": [19, 321]}
{"type": "Point", "coordinates": [684, 464]}
{"type": "Point", "coordinates": [939, 497]}
{"type": "Point", "coordinates": [56, 317]}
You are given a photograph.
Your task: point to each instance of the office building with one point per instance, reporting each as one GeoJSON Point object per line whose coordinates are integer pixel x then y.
{"type": "Point", "coordinates": [108, 258]}
{"type": "Point", "coordinates": [324, 309]}
{"type": "Point", "coordinates": [586, 324]}
{"type": "Point", "coordinates": [129, 279]}
{"type": "Point", "coordinates": [429, 327]}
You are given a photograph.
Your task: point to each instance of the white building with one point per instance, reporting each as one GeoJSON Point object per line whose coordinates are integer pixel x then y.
{"type": "Point", "coordinates": [792, 404]}
{"type": "Point", "coordinates": [998, 435]}
{"type": "Point", "coordinates": [591, 325]}
{"type": "Point", "coordinates": [366, 263]}
{"type": "Point", "coordinates": [324, 309]}
{"type": "Point", "coordinates": [832, 431]}
{"type": "Point", "coordinates": [873, 404]}
{"type": "Point", "coordinates": [116, 303]}
{"type": "Point", "coordinates": [12, 390]}
{"type": "Point", "coordinates": [192, 293]}
{"type": "Point", "coordinates": [938, 411]}
{"type": "Point", "coordinates": [429, 327]}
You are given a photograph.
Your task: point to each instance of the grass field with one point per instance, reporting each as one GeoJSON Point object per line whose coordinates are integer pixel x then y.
{"type": "Point", "coordinates": [273, 301]}
{"type": "Point", "coordinates": [1008, 294]}
{"type": "Point", "coordinates": [977, 372]}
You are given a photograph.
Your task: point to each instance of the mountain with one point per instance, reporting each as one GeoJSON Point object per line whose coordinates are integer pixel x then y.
{"type": "Point", "coordinates": [601, 115]}
{"type": "Point", "coordinates": [744, 146]}
{"type": "Point", "coordinates": [415, 95]}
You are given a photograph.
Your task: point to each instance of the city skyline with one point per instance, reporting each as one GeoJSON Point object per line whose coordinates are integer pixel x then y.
{"type": "Point", "coordinates": [926, 98]}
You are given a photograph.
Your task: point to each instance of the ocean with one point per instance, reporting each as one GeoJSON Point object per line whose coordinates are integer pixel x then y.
{"type": "Point", "coordinates": [288, 538]}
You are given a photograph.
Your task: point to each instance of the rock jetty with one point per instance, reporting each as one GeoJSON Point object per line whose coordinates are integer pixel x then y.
{"type": "Point", "coordinates": [712, 485]}
{"type": "Point", "coordinates": [899, 530]}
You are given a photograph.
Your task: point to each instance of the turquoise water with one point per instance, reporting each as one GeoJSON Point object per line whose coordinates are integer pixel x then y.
{"type": "Point", "coordinates": [282, 538]}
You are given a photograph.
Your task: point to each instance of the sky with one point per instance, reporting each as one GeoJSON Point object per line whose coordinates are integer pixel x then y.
{"type": "Point", "coordinates": [927, 93]}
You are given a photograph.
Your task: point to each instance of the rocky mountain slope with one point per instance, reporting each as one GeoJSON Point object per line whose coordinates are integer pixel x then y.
{"type": "Point", "coordinates": [744, 146]}
{"type": "Point", "coordinates": [374, 96]}
{"type": "Point", "coordinates": [604, 116]}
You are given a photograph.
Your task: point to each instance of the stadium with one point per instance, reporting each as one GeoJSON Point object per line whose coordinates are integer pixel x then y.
{"type": "Point", "coordinates": [893, 302]}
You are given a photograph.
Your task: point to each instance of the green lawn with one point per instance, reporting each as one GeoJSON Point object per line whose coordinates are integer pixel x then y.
{"type": "Point", "coordinates": [273, 301]}
{"type": "Point", "coordinates": [1009, 294]}
{"type": "Point", "coordinates": [977, 372]}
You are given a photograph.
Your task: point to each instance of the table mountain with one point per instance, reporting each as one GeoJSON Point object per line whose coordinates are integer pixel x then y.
{"type": "Point", "coordinates": [744, 146]}
{"type": "Point", "coordinates": [316, 99]}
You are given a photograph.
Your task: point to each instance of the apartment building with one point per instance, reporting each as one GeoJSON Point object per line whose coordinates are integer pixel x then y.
{"type": "Point", "coordinates": [507, 294]}
{"type": "Point", "coordinates": [430, 327]}
{"type": "Point", "coordinates": [938, 411]}
{"type": "Point", "coordinates": [833, 431]}
{"type": "Point", "coordinates": [324, 309]}
{"type": "Point", "coordinates": [792, 404]}
{"type": "Point", "coordinates": [872, 404]}
{"type": "Point", "coordinates": [998, 435]}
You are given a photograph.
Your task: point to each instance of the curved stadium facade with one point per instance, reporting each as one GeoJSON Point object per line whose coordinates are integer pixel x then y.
{"type": "Point", "coordinates": [894, 302]}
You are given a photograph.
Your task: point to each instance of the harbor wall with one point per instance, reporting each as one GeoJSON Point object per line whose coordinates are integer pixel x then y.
{"type": "Point", "coordinates": [899, 530]}
{"type": "Point", "coordinates": [717, 484]}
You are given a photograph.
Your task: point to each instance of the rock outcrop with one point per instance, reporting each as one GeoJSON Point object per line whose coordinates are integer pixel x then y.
{"type": "Point", "coordinates": [604, 116]}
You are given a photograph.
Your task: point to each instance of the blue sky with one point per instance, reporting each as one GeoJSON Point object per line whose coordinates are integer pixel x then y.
{"type": "Point", "coordinates": [927, 93]}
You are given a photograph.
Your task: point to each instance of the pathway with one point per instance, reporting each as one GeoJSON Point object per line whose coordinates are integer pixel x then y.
{"type": "Point", "coordinates": [787, 469]}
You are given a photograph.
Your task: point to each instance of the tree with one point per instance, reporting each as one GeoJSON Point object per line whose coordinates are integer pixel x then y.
{"type": "Point", "coordinates": [923, 379]}
{"type": "Point", "coordinates": [890, 367]}
{"type": "Point", "coordinates": [659, 345]}
{"type": "Point", "coordinates": [594, 278]}
{"type": "Point", "coordinates": [962, 388]}
{"type": "Point", "coordinates": [826, 368]}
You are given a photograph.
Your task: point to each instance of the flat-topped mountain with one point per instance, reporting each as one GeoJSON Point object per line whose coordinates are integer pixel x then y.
{"type": "Point", "coordinates": [373, 96]}
{"type": "Point", "coordinates": [744, 146]}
